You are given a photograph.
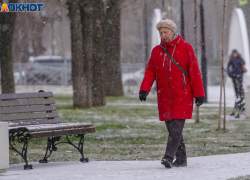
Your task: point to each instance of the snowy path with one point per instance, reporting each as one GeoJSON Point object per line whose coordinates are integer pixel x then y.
{"type": "Point", "coordinates": [205, 168]}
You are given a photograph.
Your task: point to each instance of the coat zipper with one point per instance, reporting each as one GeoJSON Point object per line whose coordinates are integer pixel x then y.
{"type": "Point", "coordinates": [169, 88]}
{"type": "Point", "coordinates": [184, 82]}
{"type": "Point", "coordinates": [169, 67]}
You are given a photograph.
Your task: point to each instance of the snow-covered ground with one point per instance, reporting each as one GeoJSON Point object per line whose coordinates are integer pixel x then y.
{"type": "Point", "coordinates": [57, 90]}
{"type": "Point", "coordinates": [207, 167]}
{"type": "Point", "coordinates": [199, 168]}
{"type": "Point", "coordinates": [214, 96]}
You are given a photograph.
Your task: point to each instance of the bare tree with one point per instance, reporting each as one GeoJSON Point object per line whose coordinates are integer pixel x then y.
{"type": "Point", "coordinates": [86, 13]}
{"type": "Point", "coordinates": [98, 68]}
{"type": "Point", "coordinates": [143, 39]}
{"type": "Point", "coordinates": [88, 66]}
{"type": "Point", "coordinates": [36, 27]}
{"type": "Point", "coordinates": [222, 84]}
{"type": "Point", "coordinates": [78, 80]}
{"type": "Point", "coordinates": [7, 22]}
{"type": "Point", "coordinates": [88, 57]}
{"type": "Point", "coordinates": [197, 118]}
{"type": "Point", "coordinates": [20, 40]}
{"type": "Point", "coordinates": [112, 48]}
{"type": "Point", "coordinates": [27, 40]}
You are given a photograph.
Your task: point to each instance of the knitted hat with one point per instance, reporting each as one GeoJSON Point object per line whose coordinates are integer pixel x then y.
{"type": "Point", "coordinates": [166, 23]}
{"type": "Point", "coordinates": [234, 51]}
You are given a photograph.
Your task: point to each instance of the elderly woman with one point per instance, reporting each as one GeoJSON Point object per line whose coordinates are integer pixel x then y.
{"type": "Point", "coordinates": [178, 82]}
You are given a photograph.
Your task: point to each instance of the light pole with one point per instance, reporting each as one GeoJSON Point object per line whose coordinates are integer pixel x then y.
{"type": "Point", "coordinates": [145, 20]}
{"type": "Point", "coordinates": [182, 21]}
{"type": "Point", "coordinates": [203, 51]}
{"type": "Point", "coordinates": [52, 36]}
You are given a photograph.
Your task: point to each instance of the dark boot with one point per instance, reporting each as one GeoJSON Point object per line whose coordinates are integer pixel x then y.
{"type": "Point", "coordinates": [167, 161]}
{"type": "Point", "coordinates": [179, 163]}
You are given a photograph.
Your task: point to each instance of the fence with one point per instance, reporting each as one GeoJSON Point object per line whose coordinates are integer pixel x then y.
{"type": "Point", "coordinates": [60, 74]}
{"type": "Point", "coordinates": [42, 73]}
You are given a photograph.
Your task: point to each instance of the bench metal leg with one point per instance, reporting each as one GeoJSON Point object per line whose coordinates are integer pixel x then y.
{"type": "Point", "coordinates": [51, 146]}
{"type": "Point", "coordinates": [79, 147]}
{"type": "Point", "coordinates": [22, 137]}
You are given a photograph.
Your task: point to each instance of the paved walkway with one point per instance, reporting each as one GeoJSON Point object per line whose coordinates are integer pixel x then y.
{"type": "Point", "coordinates": [199, 168]}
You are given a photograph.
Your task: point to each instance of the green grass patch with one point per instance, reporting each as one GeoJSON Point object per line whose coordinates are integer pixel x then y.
{"type": "Point", "coordinates": [126, 131]}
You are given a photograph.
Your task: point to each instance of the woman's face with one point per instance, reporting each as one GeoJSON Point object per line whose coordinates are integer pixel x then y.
{"type": "Point", "coordinates": [235, 54]}
{"type": "Point", "coordinates": [166, 34]}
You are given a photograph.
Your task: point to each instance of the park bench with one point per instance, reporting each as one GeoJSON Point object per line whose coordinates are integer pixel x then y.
{"type": "Point", "coordinates": [34, 115]}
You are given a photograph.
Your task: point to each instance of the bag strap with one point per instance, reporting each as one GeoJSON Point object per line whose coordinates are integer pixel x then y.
{"type": "Point", "coordinates": [174, 61]}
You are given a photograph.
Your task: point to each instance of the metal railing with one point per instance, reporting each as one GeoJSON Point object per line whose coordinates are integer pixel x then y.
{"type": "Point", "coordinates": [60, 74]}
{"type": "Point", "coordinates": [42, 73]}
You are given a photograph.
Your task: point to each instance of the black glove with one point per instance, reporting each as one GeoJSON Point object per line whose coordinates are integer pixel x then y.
{"type": "Point", "coordinates": [198, 101]}
{"type": "Point", "coordinates": [142, 95]}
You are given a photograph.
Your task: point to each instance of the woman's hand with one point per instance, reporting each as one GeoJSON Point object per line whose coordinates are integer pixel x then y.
{"type": "Point", "coordinates": [142, 95]}
{"type": "Point", "coordinates": [198, 101]}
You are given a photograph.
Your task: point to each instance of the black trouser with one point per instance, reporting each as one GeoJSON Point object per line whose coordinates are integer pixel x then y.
{"type": "Point", "coordinates": [175, 145]}
{"type": "Point", "coordinates": [238, 88]}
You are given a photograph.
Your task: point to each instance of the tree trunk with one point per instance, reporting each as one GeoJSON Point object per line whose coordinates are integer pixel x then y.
{"type": "Point", "coordinates": [223, 46]}
{"type": "Point", "coordinates": [27, 40]}
{"type": "Point", "coordinates": [21, 48]}
{"type": "Point", "coordinates": [86, 13]}
{"type": "Point", "coordinates": [143, 39]}
{"type": "Point", "coordinates": [222, 84]}
{"type": "Point", "coordinates": [182, 21]}
{"type": "Point", "coordinates": [7, 24]}
{"type": "Point", "coordinates": [197, 117]}
{"type": "Point", "coordinates": [78, 80]}
{"type": "Point", "coordinates": [112, 48]}
{"type": "Point", "coordinates": [98, 68]}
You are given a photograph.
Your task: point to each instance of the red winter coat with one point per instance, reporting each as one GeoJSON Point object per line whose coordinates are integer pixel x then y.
{"type": "Point", "coordinates": [175, 91]}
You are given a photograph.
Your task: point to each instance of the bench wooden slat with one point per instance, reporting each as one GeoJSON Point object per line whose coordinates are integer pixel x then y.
{"type": "Point", "coordinates": [62, 132]}
{"type": "Point", "coordinates": [50, 127]}
{"type": "Point", "coordinates": [25, 95]}
{"type": "Point", "coordinates": [28, 116]}
{"type": "Point", "coordinates": [27, 109]}
{"type": "Point", "coordinates": [27, 102]}
{"type": "Point", "coordinates": [34, 122]}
